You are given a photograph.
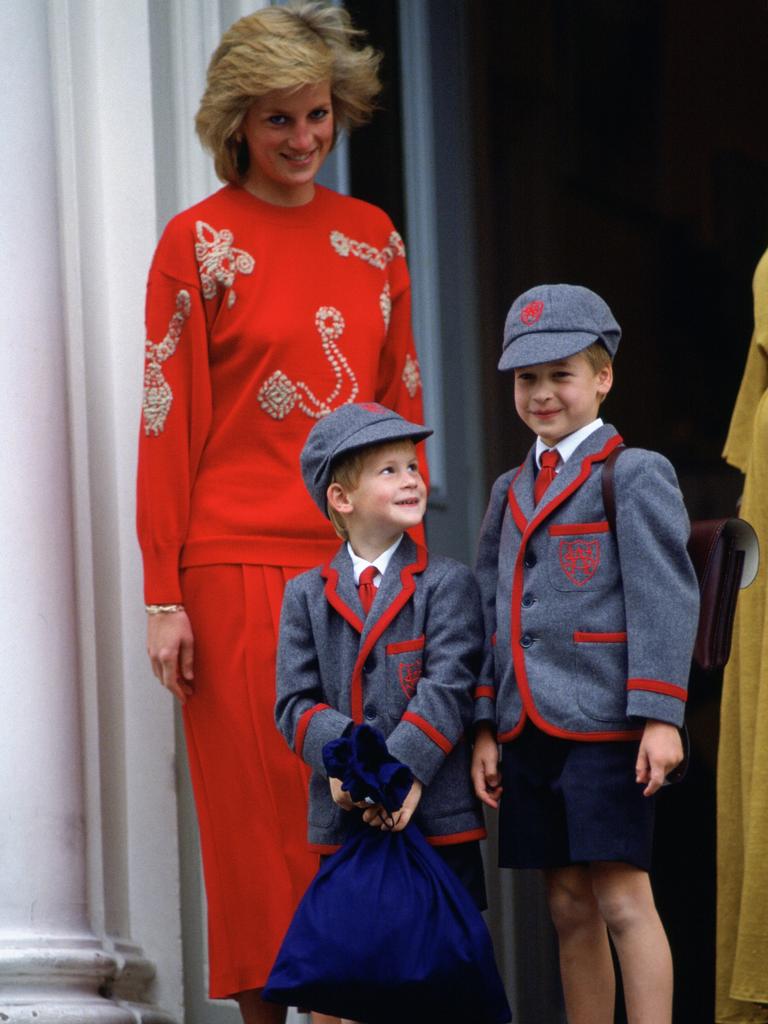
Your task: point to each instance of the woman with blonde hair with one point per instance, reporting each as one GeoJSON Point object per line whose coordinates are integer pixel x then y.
{"type": "Point", "coordinates": [269, 304]}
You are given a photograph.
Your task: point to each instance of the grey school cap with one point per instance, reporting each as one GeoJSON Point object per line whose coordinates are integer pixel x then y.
{"type": "Point", "coordinates": [554, 321]}
{"type": "Point", "coordinates": [346, 429]}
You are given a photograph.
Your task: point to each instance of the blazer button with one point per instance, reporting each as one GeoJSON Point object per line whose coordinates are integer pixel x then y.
{"type": "Point", "coordinates": [528, 601]}
{"type": "Point", "coordinates": [370, 663]}
{"type": "Point", "coordinates": [526, 640]}
{"type": "Point", "coordinates": [369, 713]}
{"type": "Point", "coordinates": [529, 561]}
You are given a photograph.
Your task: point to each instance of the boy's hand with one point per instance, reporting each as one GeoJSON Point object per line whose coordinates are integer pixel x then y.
{"type": "Point", "coordinates": [378, 817]}
{"type": "Point", "coordinates": [342, 797]}
{"type": "Point", "coordinates": [485, 766]}
{"type": "Point", "coordinates": [661, 750]}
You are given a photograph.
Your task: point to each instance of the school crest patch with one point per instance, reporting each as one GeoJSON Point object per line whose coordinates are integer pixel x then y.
{"type": "Point", "coordinates": [409, 673]}
{"type": "Point", "coordinates": [579, 560]}
{"type": "Point", "coordinates": [531, 313]}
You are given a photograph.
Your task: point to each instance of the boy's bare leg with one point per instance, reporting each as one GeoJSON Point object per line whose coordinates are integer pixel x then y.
{"type": "Point", "coordinates": [586, 966]}
{"type": "Point", "coordinates": [254, 1011]}
{"type": "Point", "coordinates": [323, 1018]}
{"type": "Point", "coordinates": [626, 903]}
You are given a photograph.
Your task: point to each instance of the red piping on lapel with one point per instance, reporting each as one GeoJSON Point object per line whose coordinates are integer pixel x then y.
{"type": "Point", "coordinates": [301, 728]}
{"type": "Point", "coordinates": [408, 587]}
{"type": "Point", "coordinates": [657, 686]}
{"type": "Point", "coordinates": [429, 730]}
{"type": "Point", "coordinates": [518, 658]}
{"type": "Point", "coordinates": [331, 577]}
{"type": "Point", "coordinates": [517, 513]}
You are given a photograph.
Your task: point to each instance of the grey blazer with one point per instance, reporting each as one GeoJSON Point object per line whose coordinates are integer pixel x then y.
{"type": "Point", "coordinates": [409, 669]}
{"type": "Point", "coordinates": [589, 634]}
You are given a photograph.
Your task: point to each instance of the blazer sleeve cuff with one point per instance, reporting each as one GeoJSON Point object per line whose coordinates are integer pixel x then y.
{"type": "Point", "coordinates": [317, 726]}
{"type": "Point", "coordinates": [654, 698]}
{"type": "Point", "coordinates": [421, 746]}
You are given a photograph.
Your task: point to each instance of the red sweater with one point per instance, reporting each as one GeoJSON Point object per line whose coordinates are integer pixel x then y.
{"type": "Point", "coordinates": [260, 319]}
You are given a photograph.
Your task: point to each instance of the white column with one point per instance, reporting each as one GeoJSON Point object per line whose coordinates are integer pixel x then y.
{"type": "Point", "coordinates": [100, 57]}
{"type": "Point", "coordinates": [51, 963]}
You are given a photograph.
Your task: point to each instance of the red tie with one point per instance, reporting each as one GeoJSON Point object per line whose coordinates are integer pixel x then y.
{"type": "Point", "coordinates": [549, 460]}
{"type": "Point", "coordinates": [366, 588]}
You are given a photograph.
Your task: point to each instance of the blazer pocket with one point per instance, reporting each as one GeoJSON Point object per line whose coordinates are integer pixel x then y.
{"type": "Point", "coordinates": [405, 660]}
{"type": "Point", "coordinates": [582, 557]}
{"type": "Point", "coordinates": [600, 666]}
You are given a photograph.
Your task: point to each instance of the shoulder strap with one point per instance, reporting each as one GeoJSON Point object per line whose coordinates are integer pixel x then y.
{"type": "Point", "coordinates": [609, 490]}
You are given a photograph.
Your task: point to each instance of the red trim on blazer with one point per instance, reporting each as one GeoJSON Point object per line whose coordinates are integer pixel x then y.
{"type": "Point", "coordinates": [406, 645]}
{"type": "Point", "coordinates": [485, 691]}
{"type": "Point", "coordinates": [450, 840]}
{"type": "Point", "coordinates": [517, 513]}
{"type": "Point", "coordinates": [457, 837]}
{"type": "Point", "coordinates": [408, 586]}
{"type": "Point", "coordinates": [322, 848]}
{"type": "Point", "coordinates": [518, 657]}
{"type": "Point", "coordinates": [657, 686]}
{"type": "Point", "coordinates": [581, 637]}
{"type": "Point", "coordinates": [564, 529]}
{"type": "Point", "coordinates": [493, 640]}
{"type": "Point", "coordinates": [429, 730]}
{"type": "Point", "coordinates": [331, 577]}
{"type": "Point", "coordinates": [301, 728]}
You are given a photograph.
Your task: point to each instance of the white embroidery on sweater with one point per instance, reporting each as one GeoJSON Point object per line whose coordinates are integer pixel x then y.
{"type": "Point", "coordinates": [279, 394]}
{"type": "Point", "coordinates": [385, 305]}
{"type": "Point", "coordinates": [411, 375]}
{"type": "Point", "coordinates": [158, 395]}
{"type": "Point", "coordinates": [219, 261]}
{"type": "Point", "coordinates": [346, 246]}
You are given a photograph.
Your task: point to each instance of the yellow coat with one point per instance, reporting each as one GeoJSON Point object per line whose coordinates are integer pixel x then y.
{"type": "Point", "coordinates": [742, 784]}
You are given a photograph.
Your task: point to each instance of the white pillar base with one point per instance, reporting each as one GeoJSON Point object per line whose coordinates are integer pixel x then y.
{"type": "Point", "coordinates": [55, 983]}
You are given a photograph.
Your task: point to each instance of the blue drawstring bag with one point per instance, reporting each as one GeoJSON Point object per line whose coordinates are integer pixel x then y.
{"type": "Point", "coordinates": [386, 931]}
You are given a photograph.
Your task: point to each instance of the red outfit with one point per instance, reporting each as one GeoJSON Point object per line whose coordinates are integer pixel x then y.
{"type": "Point", "coordinates": [260, 319]}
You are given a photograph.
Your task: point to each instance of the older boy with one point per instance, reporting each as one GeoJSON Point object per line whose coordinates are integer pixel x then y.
{"type": "Point", "coordinates": [385, 634]}
{"type": "Point", "coordinates": [592, 636]}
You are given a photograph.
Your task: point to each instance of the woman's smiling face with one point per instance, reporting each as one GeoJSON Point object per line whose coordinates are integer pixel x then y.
{"type": "Point", "coordinates": [289, 133]}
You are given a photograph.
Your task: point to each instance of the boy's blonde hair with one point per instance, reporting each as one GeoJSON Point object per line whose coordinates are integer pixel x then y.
{"type": "Point", "coordinates": [287, 47]}
{"type": "Point", "coordinates": [598, 357]}
{"type": "Point", "coordinates": [347, 472]}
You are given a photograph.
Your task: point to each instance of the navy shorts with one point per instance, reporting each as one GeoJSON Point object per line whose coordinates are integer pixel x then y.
{"type": "Point", "coordinates": [571, 802]}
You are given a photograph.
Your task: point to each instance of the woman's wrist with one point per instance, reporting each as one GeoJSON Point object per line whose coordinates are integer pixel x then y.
{"type": "Point", "coordinates": [162, 609]}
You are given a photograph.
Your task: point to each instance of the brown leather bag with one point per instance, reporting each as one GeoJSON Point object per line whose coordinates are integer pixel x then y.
{"type": "Point", "coordinates": [725, 555]}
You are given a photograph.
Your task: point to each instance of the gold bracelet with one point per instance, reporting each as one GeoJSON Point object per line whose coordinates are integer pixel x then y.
{"type": "Point", "coordinates": [161, 609]}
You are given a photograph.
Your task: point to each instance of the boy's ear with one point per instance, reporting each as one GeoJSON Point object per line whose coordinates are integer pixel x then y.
{"type": "Point", "coordinates": [338, 499]}
{"type": "Point", "coordinates": [605, 379]}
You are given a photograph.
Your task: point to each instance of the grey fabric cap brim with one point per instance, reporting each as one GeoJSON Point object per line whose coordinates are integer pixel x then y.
{"type": "Point", "coordinates": [544, 347]}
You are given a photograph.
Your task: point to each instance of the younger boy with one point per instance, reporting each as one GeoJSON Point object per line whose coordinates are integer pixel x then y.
{"type": "Point", "coordinates": [591, 643]}
{"type": "Point", "coordinates": [407, 665]}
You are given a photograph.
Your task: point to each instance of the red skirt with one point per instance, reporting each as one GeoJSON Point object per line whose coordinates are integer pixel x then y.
{"type": "Point", "coordinates": [250, 790]}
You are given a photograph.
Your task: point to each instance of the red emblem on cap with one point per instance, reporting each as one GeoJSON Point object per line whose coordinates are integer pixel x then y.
{"type": "Point", "coordinates": [532, 312]}
{"type": "Point", "coordinates": [372, 407]}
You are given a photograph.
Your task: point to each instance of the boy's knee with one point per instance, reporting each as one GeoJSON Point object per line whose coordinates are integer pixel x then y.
{"type": "Point", "coordinates": [571, 905]}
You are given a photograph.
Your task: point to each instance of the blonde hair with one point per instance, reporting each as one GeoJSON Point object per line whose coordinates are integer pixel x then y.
{"type": "Point", "coordinates": [347, 472]}
{"type": "Point", "coordinates": [301, 43]}
{"type": "Point", "coordinates": [597, 357]}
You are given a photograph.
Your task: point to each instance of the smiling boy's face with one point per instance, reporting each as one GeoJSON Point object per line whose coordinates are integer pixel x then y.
{"type": "Point", "coordinates": [390, 495]}
{"type": "Point", "coordinates": [555, 399]}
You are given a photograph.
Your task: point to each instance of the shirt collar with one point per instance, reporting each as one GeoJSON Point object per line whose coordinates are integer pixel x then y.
{"type": "Point", "coordinates": [569, 444]}
{"type": "Point", "coordinates": [381, 563]}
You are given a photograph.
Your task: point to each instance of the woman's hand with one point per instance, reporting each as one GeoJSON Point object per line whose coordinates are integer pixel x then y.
{"type": "Point", "coordinates": [170, 646]}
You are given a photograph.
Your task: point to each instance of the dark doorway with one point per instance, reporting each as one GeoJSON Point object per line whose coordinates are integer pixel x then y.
{"type": "Point", "coordinates": [620, 145]}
